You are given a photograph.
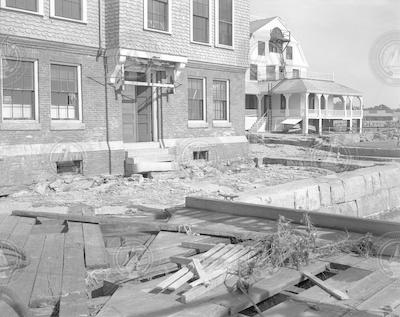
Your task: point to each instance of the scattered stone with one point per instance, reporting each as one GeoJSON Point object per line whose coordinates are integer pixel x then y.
{"type": "Point", "coordinates": [41, 188]}
{"type": "Point", "coordinates": [137, 178]}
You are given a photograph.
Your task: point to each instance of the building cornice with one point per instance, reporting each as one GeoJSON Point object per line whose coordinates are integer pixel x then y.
{"type": "Point", "coordinates": [45, 44]}
{"type": "Point", "coordinates": [216, 66]}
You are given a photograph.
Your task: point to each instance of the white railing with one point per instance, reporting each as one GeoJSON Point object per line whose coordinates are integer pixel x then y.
{"type": "Point", "coordinates": [294, 75]}
{"type": "Point", "coordinates": [356, 113]}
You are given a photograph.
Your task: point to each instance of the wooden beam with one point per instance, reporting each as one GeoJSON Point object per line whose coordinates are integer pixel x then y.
{"type": "Point", "coordinates": [319, 219]}
{"type": "Point", "coordinates": [326, 287]}
{"type": "Point", "coordinates": [140, 226]}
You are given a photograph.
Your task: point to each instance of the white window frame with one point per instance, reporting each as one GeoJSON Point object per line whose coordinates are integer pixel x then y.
{"type": "Point", "coordinates": [209, 24]}
{"type": "Point", "coordinates": [36, 92]}
{"type": "Point", "coordinates": [217, 26]}
{"type": "Point", "coordinates": [224, 123]}
{"type": "Point", "coordinates": [203, 122]}
{"type": "Point", "coordinates": [3, 5]}
{"type": "Point", "coordinates": [79, 74]}
{"type": "Point", "coordinates": [54, 16]}
{"type": "Point", "coordinates": [145, 18]}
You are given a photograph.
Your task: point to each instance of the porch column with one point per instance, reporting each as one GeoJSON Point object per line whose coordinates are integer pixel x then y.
{"type": "Point", "coordinates": [319, 114]}
{"type": "Point", "coordinates": [287, 97]}
{"type": "Point", "coordinates": [345, 106]}
{"type": "Point", "coordinates": [305, 118]}
{"type": "Point", "coordinates": [259, 106]}
{"type": "Point", "coordinates": [155, 99]}
{"type": "Point", "coordinates": [351, 113]}
{"type": "Point", "coordinates": [362, 113]}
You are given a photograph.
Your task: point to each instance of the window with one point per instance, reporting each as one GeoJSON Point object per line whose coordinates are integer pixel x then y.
{"type": "Point", "coordinates": [281, 72]}
{"type": "Point", "coordinates": [65, 92]}
{"type": "Point", "coordinates": [221, 99]}
{"type": "Point", "coordinates": [296, 73]}
{"type": "Point", "coordinates": [271, 73]}
{"type": "Point", "coordinates": [261, 48]}
{"type": "Point", "coordinates": [158, 15]}
{"type": "Point", "coordinates": [19, 93]}
{"type": "Point", "coordinates": [225, 22]}
{"type": "Point", "coordinates": [283, 102]}
{"type": "Point", "coordinates": [253, 72]}
{"type": "Point", "coordinates": [273, 47]}
{"type": "Point", "coordinates": [200, 155]}
{"type": "Point", "coordinates": [28, 5]}
{"type": "Point", "coordinates": [69, 167]}
{"type": "Point", "coordinates": [196, 93]}
{"type": "Point", "coordinates": [69, 9]}
{"type": "Point", "coordinates": [201, 21]}
{"type": "Point", "coordinates": [289, 52]}
{"type": "Point", "coordinates": [251, 102]}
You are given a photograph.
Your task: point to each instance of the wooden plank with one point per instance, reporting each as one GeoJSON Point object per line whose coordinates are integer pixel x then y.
{"type": "Point", "coordinates": [202, 247]}
{"type": "Point", "coordinates": [47, 287]}
{"type": "Point", "coordinates": [313, 309]}
{"type": "Point", "coordinates": [171, 279]}
{"type": "Point", "coordinates": [21, 231]}
{"type": "Point", "coordinates": [22, 281]}
{"type": "Point", "coordinates": [152, 226]}
{"type": "Point", "coordinates": [325, 220]}
{"type": "Point", "coordinates": [326, 287]}
{"type": "Point", "coordinates": [7, 226]}
{"type": "Point", "coordinates": [266, 287]}
{"type": "Point", "coordinates": [95, 250]}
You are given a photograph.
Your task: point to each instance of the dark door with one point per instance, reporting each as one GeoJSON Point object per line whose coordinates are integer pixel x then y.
{"type": "Point", "coordinates": [144, 114]}
{"type": "Point", "coordinates": [128, 115]}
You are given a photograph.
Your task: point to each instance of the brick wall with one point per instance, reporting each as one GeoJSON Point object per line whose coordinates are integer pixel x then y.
{"type": "Point", "coordinates": [93, 113]}
{"type": "Point", "coordinates": [175, 109]}
{"type": "Point", "coordinates": [44, 27]}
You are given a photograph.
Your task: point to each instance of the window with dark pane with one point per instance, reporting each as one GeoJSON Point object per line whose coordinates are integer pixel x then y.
{"type": "Point", "coordinates": [283, 102]}
{"type": "Point", "coordinates": [157, 14]}
{"type": "Point", "coordinates": [70, 9]}
{"type": "Point", "coordinates": [296, 73]}
{"type": "Point", "coordinates": [253, 72]}
{"type": "Point", "coordinates": [226, 22]}
{"type": "Point", "coordinates": [201, 10]}
{"type": "Point", "coordinates": [289, 52]}
{"type": "Point", "coordinates": [271, 73]}
{"type": "Point", "coordinates": [29, 5]}
{"type": "Point", "coordinates": [19, 91]}
{"type": "Point", "coordinates": [64, 92]}
{"type": "Point", "coordinates": [196, 99]}
{"type": "Point", "coordinates": [220, 99]}
{"type": "Point", "coordinates": [261, 48]}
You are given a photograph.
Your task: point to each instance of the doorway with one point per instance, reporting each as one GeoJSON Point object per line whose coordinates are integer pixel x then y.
{"type": "Point", "coordinates": [137, 114]}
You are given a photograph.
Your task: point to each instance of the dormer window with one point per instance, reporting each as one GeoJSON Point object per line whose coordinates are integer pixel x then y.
{"type": "Point", "coordinates": [289, 52]}
{"type": "Point", "coordinates": [261, 48]}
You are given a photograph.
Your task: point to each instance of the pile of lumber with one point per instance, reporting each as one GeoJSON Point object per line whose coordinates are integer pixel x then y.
{"type": "Point", "coordinates": [204, 271]}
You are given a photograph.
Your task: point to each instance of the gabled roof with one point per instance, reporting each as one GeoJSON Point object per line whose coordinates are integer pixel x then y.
{"type": "Point", "coordinates": [258, 24]}
{"type": "Point", "coordinates": [294, 86]}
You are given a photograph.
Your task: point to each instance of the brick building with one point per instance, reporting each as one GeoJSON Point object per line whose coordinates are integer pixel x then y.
{"type": "Point", "coordinates": [174, 72]}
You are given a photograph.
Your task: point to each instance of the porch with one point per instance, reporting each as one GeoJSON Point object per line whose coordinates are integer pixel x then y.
{"type": "Point", "coordinates": [319, 102]}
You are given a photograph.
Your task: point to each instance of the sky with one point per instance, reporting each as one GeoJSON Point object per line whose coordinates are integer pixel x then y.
{"type": "Point", "coordinates": [337, 37]}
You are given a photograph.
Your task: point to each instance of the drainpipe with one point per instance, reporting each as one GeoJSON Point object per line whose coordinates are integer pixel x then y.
{"type": "Point", "coordinates": [102, 52]}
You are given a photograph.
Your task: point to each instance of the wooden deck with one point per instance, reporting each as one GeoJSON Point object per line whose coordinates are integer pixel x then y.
{"type": "Point", "coordinates": [62, 252]}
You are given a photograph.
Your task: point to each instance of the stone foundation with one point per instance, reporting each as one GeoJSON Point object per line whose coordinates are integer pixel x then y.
{"type": "Point", "coordinates": [361, 193]}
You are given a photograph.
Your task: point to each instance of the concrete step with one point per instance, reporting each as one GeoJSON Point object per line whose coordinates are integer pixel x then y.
{"type": "Point", "coordinates": [147, 152]}
{"type": "Point", "coordinates": [153, 158]}
{"type": "Point", "coordinates": [145, 167]}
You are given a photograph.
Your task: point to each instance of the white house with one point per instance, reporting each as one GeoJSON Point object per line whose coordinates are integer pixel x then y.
{"type": "Point", "coordinates": [281, 92]}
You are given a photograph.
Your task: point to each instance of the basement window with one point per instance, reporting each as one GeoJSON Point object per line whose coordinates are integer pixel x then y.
{"type": "Point", "coordinates": [200, 155]}
{"type": "Point", "coordinates": [69, 167]}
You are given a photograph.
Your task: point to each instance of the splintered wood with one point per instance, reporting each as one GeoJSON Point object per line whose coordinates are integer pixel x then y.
{"type": "Point", "coordinates": [206, 271]}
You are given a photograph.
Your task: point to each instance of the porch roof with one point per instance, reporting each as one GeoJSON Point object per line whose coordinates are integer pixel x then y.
{"type": "Point", "coordinates": [300, 85]}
